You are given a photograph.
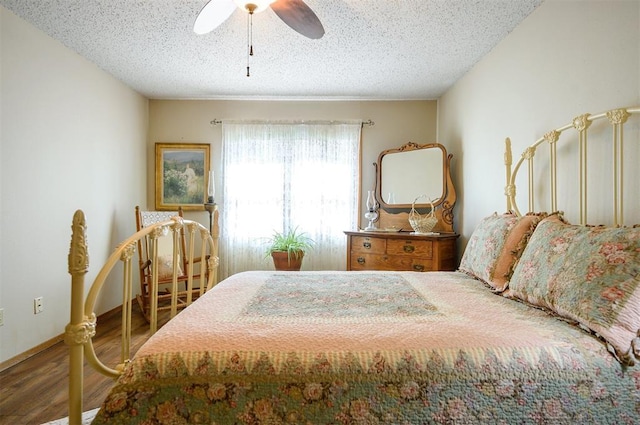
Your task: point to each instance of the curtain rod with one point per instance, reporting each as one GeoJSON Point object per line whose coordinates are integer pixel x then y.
{"type": "Point", "coordinates": [216, 121]}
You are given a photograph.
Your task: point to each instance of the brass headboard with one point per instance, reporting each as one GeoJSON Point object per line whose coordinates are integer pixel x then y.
{"type": "Point", "coordinates": [608, 131]}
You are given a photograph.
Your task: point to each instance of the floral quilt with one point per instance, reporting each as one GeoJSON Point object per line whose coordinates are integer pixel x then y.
{"type": "Point", "coordinates": [369, 348]}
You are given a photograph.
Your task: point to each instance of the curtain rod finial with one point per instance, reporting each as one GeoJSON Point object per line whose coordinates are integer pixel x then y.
{"type": "Point", "coordinates": [369, 123]}
{"type": "Point", "coordinates": [215, 121]}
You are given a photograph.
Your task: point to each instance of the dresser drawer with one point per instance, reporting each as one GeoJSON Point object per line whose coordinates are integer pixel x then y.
{"type": "Point", "coordinates": [416, 248]}
{"type": "Point", "coordinates": [360, 261]}
{"type": "Point", "coordinates": [364, 244]}
{"type": "Point", "coordinates": [423, 265]}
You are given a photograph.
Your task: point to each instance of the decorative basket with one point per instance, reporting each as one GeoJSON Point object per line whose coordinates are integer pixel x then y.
{"type": "Point", "coordinates": [422, 223]}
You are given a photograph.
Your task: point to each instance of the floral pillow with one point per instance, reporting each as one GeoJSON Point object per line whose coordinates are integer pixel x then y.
{"type": "Point", "coordinates": [165, 267]}
{"type": "Point", "coordinates": [587, 274]}
{"type": "Point", "coordinates": [495, 245]}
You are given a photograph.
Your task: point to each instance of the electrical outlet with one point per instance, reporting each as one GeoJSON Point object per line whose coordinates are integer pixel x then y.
{"type": "Point", "coordinates": [38, 305]}
{"type": "Point", "coordinates": [1, 316]}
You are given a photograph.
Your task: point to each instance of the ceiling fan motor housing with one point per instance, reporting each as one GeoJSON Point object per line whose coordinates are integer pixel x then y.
{"type": "Point", "coordinates": [254, 6]}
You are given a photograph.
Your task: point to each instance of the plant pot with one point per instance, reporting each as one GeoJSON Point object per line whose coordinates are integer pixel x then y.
{"type": "Point", "coordinates": [281, 260]}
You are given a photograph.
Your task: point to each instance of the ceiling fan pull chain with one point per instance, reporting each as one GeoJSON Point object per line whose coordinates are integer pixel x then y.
{"type": "Point", "coordinates": [249, 39]}
{"type": "Point", "coordinates": [249, 46]}
{"type": "Point", "coordinates": [251, 34]}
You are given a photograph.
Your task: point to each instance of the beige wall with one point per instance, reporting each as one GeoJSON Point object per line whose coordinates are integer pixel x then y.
{"type": "Point", "coordinates": [189, 121]}
{"type": "Point", "coordinates": [71, 137]}
{"type": "Point", "coordinates": [565, 59]}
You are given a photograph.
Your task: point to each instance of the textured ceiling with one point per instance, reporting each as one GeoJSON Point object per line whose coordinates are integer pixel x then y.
{"type": "Point", "coordinates": [372, 49]}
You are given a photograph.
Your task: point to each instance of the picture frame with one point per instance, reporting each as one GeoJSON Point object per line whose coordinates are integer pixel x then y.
{"type": "Point", "coordinates": [182, 171]}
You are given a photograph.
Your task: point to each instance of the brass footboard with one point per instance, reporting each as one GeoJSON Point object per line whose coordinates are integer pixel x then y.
{"type": "Point", "coordinates": [81, 328]}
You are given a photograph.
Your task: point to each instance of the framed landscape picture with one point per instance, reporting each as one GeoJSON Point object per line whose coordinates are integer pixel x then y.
{"type": "Point", "coordinates": [181, 173]}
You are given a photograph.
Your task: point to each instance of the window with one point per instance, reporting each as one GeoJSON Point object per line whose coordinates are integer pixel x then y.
{"type": "Point", "coordinates": [286, 175]}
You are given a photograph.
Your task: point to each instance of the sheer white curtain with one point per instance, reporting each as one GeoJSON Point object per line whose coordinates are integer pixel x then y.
{"type": "Point", "coordinates": [281, 175]}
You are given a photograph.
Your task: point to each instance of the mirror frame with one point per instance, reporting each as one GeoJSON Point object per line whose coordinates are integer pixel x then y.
{"type": "Point", "coordinates": [394, 215]}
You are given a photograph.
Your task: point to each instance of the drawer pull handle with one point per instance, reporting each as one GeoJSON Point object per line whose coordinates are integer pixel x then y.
{"type": "Point", "coordinates": [418, 267]}
{"type": "Point", "coordinates": [360, 261]}
{"type": "Point", "coordinates": [367, 245]}
{"type": "Point", "coordinates": [409, 248]}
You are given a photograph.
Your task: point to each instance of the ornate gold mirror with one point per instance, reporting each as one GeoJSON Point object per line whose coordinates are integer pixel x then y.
{"type": "Point", "coordinates": [414, 171]}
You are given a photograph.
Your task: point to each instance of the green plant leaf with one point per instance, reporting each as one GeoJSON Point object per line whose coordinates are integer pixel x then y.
{"type": "Point", "coordinates": [291, 241]}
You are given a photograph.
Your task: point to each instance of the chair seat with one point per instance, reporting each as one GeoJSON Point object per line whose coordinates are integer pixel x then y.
{"type": "Point", "coordinates": [160, 248]}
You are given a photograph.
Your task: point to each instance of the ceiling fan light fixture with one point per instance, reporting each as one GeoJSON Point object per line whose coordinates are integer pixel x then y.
{"type": "Point", "coordinates": [253, 6]}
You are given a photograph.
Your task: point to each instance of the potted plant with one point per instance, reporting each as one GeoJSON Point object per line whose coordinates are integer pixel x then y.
{"type": "Point", "coordinates": [288, 248]}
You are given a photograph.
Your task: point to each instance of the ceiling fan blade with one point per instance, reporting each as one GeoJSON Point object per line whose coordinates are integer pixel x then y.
{"type": "Point", "coordinates": [212, 15]}
{"type": "Point", "coordinates": [299, 17]}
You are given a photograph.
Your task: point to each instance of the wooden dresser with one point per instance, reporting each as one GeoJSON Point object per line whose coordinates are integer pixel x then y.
{"type": "Point", "coordinates": [401, 251]}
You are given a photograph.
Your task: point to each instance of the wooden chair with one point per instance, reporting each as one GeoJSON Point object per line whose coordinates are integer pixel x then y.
{"type": "Point", "coordinates": [160, 248]}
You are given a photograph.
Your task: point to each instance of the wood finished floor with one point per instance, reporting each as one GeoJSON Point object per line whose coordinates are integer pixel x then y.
{"type": "Point", "coordinates": [35, 390]}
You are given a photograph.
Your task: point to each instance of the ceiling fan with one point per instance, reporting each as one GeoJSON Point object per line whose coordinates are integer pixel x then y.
{"type": "Point", "coordinates": [295, 13]}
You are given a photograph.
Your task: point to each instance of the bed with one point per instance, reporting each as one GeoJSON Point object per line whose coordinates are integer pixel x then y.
{"type": "Point", "coordinates": [541, 324]}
